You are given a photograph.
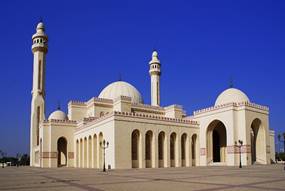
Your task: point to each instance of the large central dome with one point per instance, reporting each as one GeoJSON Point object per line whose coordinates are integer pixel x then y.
{"type": "Point", "coordinates": [121, 88]}
{"type": "Point", "coordinates": [231, 95]}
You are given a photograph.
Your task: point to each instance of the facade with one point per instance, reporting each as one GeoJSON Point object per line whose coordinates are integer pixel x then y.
{"type": "Point", "coordinates": [141, 135]}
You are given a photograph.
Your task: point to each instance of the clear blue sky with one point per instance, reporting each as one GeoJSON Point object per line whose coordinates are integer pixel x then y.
{"type": "Point", "coordinates": [201, 45]}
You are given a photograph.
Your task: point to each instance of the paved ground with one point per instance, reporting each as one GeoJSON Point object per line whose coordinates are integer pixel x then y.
{"type": "Point", "coordinates": [270, 177]}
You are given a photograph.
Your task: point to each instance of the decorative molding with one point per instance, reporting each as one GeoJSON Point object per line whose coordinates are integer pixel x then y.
{"type": "Point", "coordinates": [203, 151]}
{"type": "Point", "coordinates": [232, 149]}
{"type": "Point", "coordinates": [135, 115]}
{"type": "Point", "coordinates": [66, 121]}
{"type": "Point", "coordinates": [70, 155]}
{"type": "Point", "coordinates": [138, 115]}
{"type": "Point", "coordinates": [49, 155]}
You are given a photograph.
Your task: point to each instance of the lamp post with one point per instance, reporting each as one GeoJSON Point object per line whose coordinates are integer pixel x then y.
{"type": "Point", "coordinates": [104, 145]}
{"type": "Point", "coordinates": [239, 146]}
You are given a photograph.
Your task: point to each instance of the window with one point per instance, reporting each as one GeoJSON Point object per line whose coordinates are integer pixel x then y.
{"type": "Point", "coordinates": [40, 75]}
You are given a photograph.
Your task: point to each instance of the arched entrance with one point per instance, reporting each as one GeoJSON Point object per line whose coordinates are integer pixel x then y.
{"type": "Point", "coordinates": [216, 142]}
{"type": "Point", "coordinates": [173, 149]}
{"type": "Point", "coordinates": [193, 149]}
{"type": "Point", "coordinates": [135, 148]}
{"type": "Point", "coordinates": [161, 149]}
{"type": "Point", "coordinates": [183, 149]}
{"type": "Point", "coordinates": [61, 152]}
{"type": "Point", "coordinates": [148, 149]}
{"type": "Point", "coordinates": [258, 147]}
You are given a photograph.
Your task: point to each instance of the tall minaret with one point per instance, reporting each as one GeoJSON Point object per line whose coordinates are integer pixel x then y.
{"type": "Point", "coordinates": [39, 49]}
{"type": "Point", "coordinates": [154, 71]}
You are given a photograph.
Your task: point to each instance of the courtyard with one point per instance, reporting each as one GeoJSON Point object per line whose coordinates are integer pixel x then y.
{"type": "Point", "coordinates": [256, 177]}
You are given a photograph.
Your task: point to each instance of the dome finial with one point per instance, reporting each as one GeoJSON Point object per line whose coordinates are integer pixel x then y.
{"type": "Point", "coordinates": [154, 58]}
{"type": "Point", "coordinates": [120, 77]}
{"type": "Point", "coordinates": [231, 82]}
{"type": "Point", "coordinates": [58, 105]}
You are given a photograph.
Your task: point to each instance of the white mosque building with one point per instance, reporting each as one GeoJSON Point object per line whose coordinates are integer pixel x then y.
{"type": "Point", "coordinates": [141, 135]}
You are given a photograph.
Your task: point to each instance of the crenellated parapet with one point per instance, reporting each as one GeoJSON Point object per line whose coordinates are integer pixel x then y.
{"type": "Point", "coordinates": [87, 122]}
{"type": "Point", "coordinates": [236, 105]}
{"type": "Point", "coordinates": [156, 117]}
{"type": "Point", "coordinates": [75, 102]}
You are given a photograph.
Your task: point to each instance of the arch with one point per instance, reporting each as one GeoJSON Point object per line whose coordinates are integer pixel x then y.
{"type": "Point", "coordinates": [258, 142]}
{"type": "Point", "coordinates": [89, 152]}
{"type": "Point", "coordinates": [183, 149]}
{"type": "Point", "coordinates": [61, 152]}
{"type": "Point", "coordinates": [173, 149]}
{"type": "Point", "coordinates": [161, 149]}
{"type": "Point", "coordinates": [135, 148]}
{"type": "Point", "coordinates": [216, 142]}
{"type": "Point", "coordinates": [81, 153]}
{"type": "Point", "coordinates": [149, 156]}
{"type": "Point", "coordinates": [85, 153]}
{"type": "Point", "coordinates": [77, 153]}
{"type": "Point", "coordinates": [194, 149]}
{"type": "Point", "coordinates": [95, 155]}
{"type": "Point", "coordinates": [100, 151]}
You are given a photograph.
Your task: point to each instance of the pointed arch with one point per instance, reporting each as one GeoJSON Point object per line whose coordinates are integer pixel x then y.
{"type": "Point", "coordinates": [135, 148]}
{"type": "Point", "coordinates": [216, 142]}
{"type": "Point", "coordinates": [149, 156]}
{"type": "Point", "coordinates": [194, 149]}
{"type": "Point", "coordinates": [95, 153]}
{"type": "Point", "coordinates": [183, 149]}
{"type": "Point", "coordinates": [89, 152]}
{"type": "Point", "coordinates": [173, 150]}
{"type": "Point", "coordinates": [161, 149]}
{"type": "Point", "coordinates": [258, 142]}
{"type": "Point", "coordinates": [100, 151]}
{"type": "Point", "coordinates": [77, 153]}
{"type": "Point", "coordinates": [61, 152]}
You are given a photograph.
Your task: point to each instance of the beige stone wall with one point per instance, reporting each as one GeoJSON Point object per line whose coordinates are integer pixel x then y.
{"type": "Point", "coordinates": [237, 119]}
{"type": "Point", "coordinates": [124, 127]}
{"type": "Point", "coordinates": [51, 131]}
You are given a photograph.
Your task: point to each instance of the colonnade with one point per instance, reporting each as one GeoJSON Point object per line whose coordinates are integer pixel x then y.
{"type": "Point", "coordinates": [149, 150]}
{"type": "Point", "coordinates": [88, 151]}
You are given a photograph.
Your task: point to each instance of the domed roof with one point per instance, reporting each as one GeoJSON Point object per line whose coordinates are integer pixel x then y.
{"type": "Point", "coordinates": [121, 88]}
{"type": "Point", "coordinates": [40, 25]}
{"type": "Point", "coordinates": [231, 95]}
{"type": "Point", "coordinates": [58, 115]}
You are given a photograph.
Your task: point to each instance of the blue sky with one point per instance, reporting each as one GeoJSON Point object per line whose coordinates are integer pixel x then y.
{"type": "Point", "coordinates": [201, 45]}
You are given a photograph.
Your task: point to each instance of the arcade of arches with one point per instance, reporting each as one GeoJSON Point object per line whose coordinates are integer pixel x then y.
{"type": "Point", "coordinates": [88, 151]}
{"type": "Point", "coordinates": [171, 150]}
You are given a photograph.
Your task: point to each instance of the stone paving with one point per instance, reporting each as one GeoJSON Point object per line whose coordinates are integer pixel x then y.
{"type": "Point", "coordinates": [257, 177]}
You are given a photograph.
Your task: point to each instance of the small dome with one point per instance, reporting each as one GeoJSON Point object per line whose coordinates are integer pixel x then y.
{"type": "Point", "coordinates": [58, 115]}
{"type": "Point", "coordinates": [40, 25]}
{"type": "Point", "coordinates": [231, 95]}
{"type": "Point", "coordinates": [121, 88]}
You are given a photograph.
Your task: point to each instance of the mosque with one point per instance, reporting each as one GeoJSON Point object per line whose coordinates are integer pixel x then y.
{"type": "Point", "coordinates": [117, 130]}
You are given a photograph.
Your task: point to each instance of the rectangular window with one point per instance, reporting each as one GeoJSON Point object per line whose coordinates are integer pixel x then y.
{"type": "Point", "coordinates": [40, 75]}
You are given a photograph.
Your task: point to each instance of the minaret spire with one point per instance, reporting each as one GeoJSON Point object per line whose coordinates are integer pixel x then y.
{"type": "Point", "coordinates": [39, 49]}
{"type": "Point", "coordinates": [155, 73]}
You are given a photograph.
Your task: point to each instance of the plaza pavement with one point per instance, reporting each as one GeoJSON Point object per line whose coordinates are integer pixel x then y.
{"type": "Point", "coordinates": [257, 177]}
